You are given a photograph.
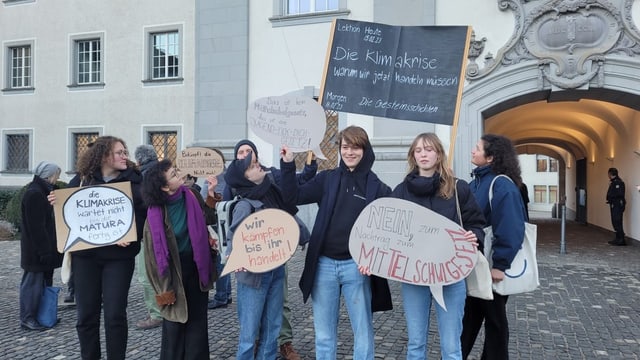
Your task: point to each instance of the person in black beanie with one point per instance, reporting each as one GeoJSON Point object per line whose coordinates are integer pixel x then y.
{"type": "Point", "coordinates": [260, 295]}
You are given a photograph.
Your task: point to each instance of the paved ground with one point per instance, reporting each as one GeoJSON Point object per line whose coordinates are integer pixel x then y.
{"type": "Point", "coordinates": [588, 307]}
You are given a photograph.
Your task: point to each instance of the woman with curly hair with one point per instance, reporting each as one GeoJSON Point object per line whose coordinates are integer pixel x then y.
{"type": "Point", "coordinates": [178, 261]}
{"type": "Point", "coordinates": [495, 155]}
{"type": "Point", "coordinates": [430, 183]}
{"type": "Point", "coordinates": [102, 275]}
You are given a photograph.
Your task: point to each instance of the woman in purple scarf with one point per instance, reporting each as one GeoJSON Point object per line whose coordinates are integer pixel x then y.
{"type": "Point", "coordinates": [178, 261]}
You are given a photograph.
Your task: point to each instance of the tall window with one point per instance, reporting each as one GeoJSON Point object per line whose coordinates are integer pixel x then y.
{"type": "Point", "coordinates": [553, 165]}
{"type": "Point", "coordinates": [17, 152]}
{"type": "Point", "coordinates": [21, 71]}
{"type": "Point", "coordinates": [89, 61]}
{"type": "Point", "coordinates": [81, 142]}
{"type": "Point", "coordinates": [541, 163]}
{"type": "Point", "coordinates": [165, 143]}
{"type": "Point", "coordinates": [553, 194]}
{"type": "Point", "coordinates": [308, 6]}
{"type": "Point", "coordinates": [540, 193]}
{"type": "Point", "coordinates": [165, 55]}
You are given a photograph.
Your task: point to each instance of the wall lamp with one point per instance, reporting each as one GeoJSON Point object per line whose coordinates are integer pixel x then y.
{"type": "Point", "coordinates": [609, 158]}
{"type": "Point", "coordinates": [637, 152]}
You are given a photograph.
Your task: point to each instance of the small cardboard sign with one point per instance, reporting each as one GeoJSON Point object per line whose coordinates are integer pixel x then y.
{"type": "Point", "coordinates": [263, 241]}
{"type": "Point", "coordinates": [199, 161]}
{"type": "Point", "coordinates": [403, 241]}
{"type": "Point", "coordinates": [295, 121]}
{"type": "Point", "coordinates": [94, 216]}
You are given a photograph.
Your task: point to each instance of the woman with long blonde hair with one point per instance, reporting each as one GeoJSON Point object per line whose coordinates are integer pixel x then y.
{"type": "Point", "coordinates": [430, 183]}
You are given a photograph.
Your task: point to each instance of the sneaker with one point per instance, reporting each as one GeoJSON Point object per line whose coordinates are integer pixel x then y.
{"type": "Point", "coordinates": [288, 352]}
{"type": "Point", "coordinates": [32, 325]}
{"type": "Point", "coordinates": [148, 323]}
{"type": "Point", "coordinates": [69, 299]}
{"type": "Point", "coordinates": [229, 300]}
{"type": "Point", "coordinates": [216, 305]}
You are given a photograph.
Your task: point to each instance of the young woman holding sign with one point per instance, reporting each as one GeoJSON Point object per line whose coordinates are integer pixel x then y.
{"type": "Point", "coordinates": [430, 183]}
{"type": "Point", "coordinates": [260, 295]}
{"type": "Point", "coordinates": [102, 275]}
{"type": "Point", "coordinates": [178, 261]}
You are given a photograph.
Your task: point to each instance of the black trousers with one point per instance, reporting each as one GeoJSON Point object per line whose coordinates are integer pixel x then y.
{"type": "Point", "coordinates": [496, 327]}
{"type": "Point", "coordinates": [616, 221]}
{"type": "Point", "coordinates": [188, 341]}
{"type": "Point", "coordinates": [102, 284]}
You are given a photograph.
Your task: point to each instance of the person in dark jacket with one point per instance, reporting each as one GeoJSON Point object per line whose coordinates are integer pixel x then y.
{"type": "Point", "coordinates": [617, 204]}
{"type": "Point", "coordinates": [146, 158]}
{"type": "Point", "coordinates": [329, 270]}
{"type": "Point", "coordinates": [495, 155]}
{"type": "Point", "coordinates": [38, 250]}
{"type": "Point", "coordinates": [260, 295]}
{"type": "Point", "coordinates": [102, 275]}
{"type": "Point", "coordinates": [430, 183]}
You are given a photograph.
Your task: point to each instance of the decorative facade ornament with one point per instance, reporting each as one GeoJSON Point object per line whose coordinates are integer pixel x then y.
{"type": "Point", "coordinates": [569, 40]}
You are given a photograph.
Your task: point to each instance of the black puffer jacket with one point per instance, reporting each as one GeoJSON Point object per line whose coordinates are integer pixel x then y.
{"type": "Point", "coordinates": [38, 252]}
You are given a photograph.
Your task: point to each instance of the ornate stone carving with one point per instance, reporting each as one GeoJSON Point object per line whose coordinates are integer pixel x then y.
{"type": "Point", "coordinates": [568, 39]}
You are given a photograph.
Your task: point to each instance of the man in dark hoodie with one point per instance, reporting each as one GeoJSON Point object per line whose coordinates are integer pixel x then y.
{"type": "Point", "coordinates": [329, 270]}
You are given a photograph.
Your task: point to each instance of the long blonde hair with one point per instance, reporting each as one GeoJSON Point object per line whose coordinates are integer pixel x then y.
{"type": "Point", "coordinates": [447, 180]}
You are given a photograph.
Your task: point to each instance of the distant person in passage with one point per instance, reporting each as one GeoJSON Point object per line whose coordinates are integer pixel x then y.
{"type": "Point", "coordinates": [617, 204]}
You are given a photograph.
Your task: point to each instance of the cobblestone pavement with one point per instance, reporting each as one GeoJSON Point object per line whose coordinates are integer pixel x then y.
{"type": "Point", "coordinates": [587, 307]}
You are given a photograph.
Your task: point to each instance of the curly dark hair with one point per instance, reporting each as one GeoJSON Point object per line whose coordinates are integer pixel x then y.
{"type": "Point", "coordinates": [90, 162]}
{"type": "Point", "coordinates": [153, 181]}
{"type": "Point", "coordinates": [505, 158]}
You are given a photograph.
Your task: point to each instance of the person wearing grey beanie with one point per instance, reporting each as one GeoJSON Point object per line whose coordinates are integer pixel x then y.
{"type": "Point", "coordinates": [38, 251]}
{"type": "Point", "coordinates": [145, 157]}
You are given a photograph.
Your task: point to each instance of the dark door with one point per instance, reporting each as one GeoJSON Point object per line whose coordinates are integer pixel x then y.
{"type": "Point", "coordinates": [581, 191]}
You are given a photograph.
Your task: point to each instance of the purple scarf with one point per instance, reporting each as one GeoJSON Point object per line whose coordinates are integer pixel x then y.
{"type": "Point", "coordinates": [197, 234]}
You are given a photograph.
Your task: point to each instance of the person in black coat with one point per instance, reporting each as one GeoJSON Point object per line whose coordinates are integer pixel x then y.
{"type": "Point", "coordinates": [38, 253]}
{"type": "Point", "coordinates": [617, 204]}
{"type": "Point", "coordinates": [102, 275]}
{"type": "Point", "coordinates": [341, 194]}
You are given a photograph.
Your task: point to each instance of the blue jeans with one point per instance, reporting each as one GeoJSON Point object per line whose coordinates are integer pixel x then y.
{"type": "Point", "coordinates": [223, 286]}
{"type": "Point", "coordinates": [416, 301]}
{"type": "Point", "coordinates": [260, 310]}
{"type": "Point", "coordinates": [335, 277]}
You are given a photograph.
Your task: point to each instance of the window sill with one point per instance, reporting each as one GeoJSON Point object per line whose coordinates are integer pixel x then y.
{"type": "Point", "coordinates": [25, 90]}
{"type": "Point", "coordinates": [16, 172]}
{"type": "Point", "coordinates": [92, 86]}
{"type": "Point", "coordinates": [159, 82]}
{"type": "Point", "coordinates": [308, 18]}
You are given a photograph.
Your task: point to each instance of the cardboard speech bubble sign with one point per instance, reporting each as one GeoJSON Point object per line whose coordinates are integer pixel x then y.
{"type": "Point", "coordinates": [94, 216]}
{"type": "Point", "coordinates": [199, 161]}
{"type": "Point", "coordinates": [403, 241]}
{"type": "Point", "coordinates": [263, 241]}
{"type": "Point", "coordinates": [295, 121]}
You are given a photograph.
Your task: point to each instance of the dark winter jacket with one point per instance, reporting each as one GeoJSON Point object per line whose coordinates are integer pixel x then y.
{"type": "Point", "coordinates": [324, 189]}
{"type": "Point", "coordinates": [38, 250]}
{"type": "Point", "coordinates": [505, 214]}
{"type": "Point", "coordinates": [115, 251]}
{"type": "Point", "coordinates": [615, 194]}
{"type": "Point", "coordinates": [424, 191]}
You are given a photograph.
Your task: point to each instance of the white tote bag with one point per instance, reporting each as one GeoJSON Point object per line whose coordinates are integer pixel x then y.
{"type": "Point", "coordinates": [479, 280]}
{"type": "Point", "coordinates": [522, 276]}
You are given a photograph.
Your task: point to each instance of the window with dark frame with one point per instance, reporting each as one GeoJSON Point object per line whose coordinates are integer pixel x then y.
{"type": "Point", "coordinates": [165, 143]}
{"type": "Point", "coordinates": [81, 142]}
{"type": "Point", "coordinates": [17, 150]}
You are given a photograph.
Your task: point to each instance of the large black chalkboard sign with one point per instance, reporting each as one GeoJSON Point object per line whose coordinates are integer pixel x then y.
{"type": "Point", "coordinates": [401, 72]}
